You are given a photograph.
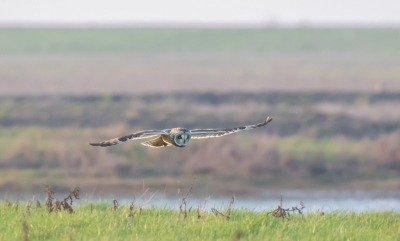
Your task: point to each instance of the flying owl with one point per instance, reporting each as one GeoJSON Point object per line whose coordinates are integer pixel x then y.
{"type": "Point", "coordinates": [178, 137]}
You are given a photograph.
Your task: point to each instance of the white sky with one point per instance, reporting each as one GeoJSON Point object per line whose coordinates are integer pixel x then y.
{"type": "Point", "coordinates": [201, 12]}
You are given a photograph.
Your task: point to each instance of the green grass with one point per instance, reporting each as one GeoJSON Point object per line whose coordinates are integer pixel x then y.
{"type": "Point", "coordinates": [156, 223]}
{"type": "Point", "coordinates": [200, 40]}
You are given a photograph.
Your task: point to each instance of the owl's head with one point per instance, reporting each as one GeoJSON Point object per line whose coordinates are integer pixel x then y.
{"type": "Point", "coordinates": [182, 137]}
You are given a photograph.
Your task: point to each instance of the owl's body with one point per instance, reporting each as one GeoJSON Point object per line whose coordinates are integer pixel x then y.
{"type": "Point", "coordinates": [178, 137]}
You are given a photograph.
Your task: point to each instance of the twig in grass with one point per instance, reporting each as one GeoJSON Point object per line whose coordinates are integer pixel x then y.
{"type": "Point", "coordinates": [216, 212]}
{"type": "Point", "coordinates": [131, 207]}
{"type": "Point", "coordinates": [228, 211]}
{"type": "Point", "coordinates": [205, 202]}
{"type": "Point", "coordinates": [200, 212]}
{"type": "Point", "coordinates": [16, 207]}
{"type": "Point", "coordinates": [38, 204]}
{"type": "Point", "coordinates": [8, 203]}
{"type": "Point", "coordinates": [143, 193]}
{"type": "Point", "coordinates": [116, 204]}
{"type": "Point", "coordinates": [28, 208]}
{"type": "Point", "coordinates": [91, 208]}
{"type": "Point", "coordinates": [148, 200]}
{"type": "Point", "coordinates": [141, 205]}
{"type": "Point", "coordinates": [280, 212]}
{"type": "Point", "coordinates": [300, 210]}
{"type": "Point", "coordinates": [183, 201]}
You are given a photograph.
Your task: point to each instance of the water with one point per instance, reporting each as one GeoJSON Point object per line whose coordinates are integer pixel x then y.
{"type": "Point", "coordinates": [326, 201]}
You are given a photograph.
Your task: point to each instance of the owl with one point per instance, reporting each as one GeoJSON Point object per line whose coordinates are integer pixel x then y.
{"type": "Point", "coordinates": [178, 137]}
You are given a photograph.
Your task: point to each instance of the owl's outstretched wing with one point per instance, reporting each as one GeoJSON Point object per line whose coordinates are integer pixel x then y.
{"type": "Point", "coordinates": [134, 136]}
{"type": "Point", "coordinates": [210, 133]}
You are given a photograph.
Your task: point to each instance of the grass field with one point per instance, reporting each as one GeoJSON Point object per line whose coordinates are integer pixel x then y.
{"type": "Point", "coordinates": [200, 40]}
{"type": "Point", "coordinates": [163, 223]}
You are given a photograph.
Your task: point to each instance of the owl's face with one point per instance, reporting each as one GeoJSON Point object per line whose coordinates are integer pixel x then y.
{"type": "Point", "coordinates": [182, 138]}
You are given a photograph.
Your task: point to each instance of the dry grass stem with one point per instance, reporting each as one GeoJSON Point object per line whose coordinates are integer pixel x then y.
{"type": "Point", "coordinates": [183, 199]}
{"type": "Point", "coordinates": [116, 204]}
{"type": "Point", "coordinates": [28, 208]}
{"type": "Point", "coordinates": [49, 200]}
{"type": "Point", "coordinates": [216, 212]}
{"type": "Point", "coordinates": [131, 207]}
{"type": "Point", "coordinates": [200, 211]}
{"type": "Point", "coordinates": [228, 211]}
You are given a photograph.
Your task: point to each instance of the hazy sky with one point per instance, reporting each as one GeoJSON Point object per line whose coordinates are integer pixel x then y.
{"type": "Point", "coordinates": [202, 12]}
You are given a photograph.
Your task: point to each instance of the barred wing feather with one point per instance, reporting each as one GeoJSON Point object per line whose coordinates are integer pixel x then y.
{"type": "Point", "coordinates": [134, 136]}
{"type": "Point", "coordinates": [211, 133]}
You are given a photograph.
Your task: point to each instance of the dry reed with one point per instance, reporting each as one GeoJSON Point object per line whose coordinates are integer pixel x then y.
{"type": "Point", "coordinates": [183, 199]}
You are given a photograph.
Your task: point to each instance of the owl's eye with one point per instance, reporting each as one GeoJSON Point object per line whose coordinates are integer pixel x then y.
{"type": "Point", "coordinates": [179, 137]}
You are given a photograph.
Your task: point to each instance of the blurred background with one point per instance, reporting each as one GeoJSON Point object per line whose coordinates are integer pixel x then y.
{"type": "Point", "coordinates": [85, 71]}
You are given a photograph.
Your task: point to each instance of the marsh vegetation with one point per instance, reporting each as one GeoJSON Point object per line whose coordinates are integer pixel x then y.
{"type": "Point", "coordinates": [92, 220]}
